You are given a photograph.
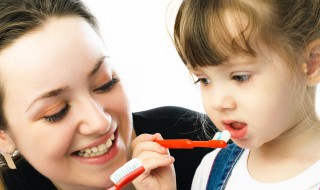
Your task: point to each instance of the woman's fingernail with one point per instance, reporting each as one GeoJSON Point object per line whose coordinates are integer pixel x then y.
{"type": "Point", "coordinates": [163, 149]}
{"type": "Point", "coordinates": [169, 158]}
{"type": "Point", "coordinates": [158, 135]}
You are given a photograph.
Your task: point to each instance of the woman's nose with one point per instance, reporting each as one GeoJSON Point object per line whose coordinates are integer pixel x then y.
{"type": "Point", "coordinates": [94, 119]}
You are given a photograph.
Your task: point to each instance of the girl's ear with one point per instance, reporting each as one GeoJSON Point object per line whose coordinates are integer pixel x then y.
{"type": "Point", "coordinates": [311, 67]}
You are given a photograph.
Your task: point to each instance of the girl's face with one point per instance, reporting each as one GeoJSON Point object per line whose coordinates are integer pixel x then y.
{"type": "Point", "coordinates": [67, 112]}
{"type": "Point", "coordinates": [254, 98]}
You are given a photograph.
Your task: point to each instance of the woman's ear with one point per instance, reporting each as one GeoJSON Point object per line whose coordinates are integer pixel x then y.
{"type": "Point", "coordinates": [7, 149]}
{"type": "Point", "coordinates": [6, 143]}
{"type": "Point", "coordinates": [311, 66]}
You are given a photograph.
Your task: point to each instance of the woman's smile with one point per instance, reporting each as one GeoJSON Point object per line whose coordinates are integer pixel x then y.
{"type": "Point", "coordinates": [105, 149]}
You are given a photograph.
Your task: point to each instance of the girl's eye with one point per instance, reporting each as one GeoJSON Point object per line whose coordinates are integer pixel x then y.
{"type": "Point", "coordinates": [108, 86]}
{"type": "Point", "coordinates": [241, 78]}
{"type": "Point", "coordinates": [57, 116]}
{"type": "Point", "coordinates": [203, 81]}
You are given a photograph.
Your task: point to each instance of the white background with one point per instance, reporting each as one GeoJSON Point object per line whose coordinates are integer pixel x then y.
{"type": "Point", "coordinates": [137, 37]}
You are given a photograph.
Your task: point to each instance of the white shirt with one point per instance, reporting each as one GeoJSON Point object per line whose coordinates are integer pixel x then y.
{"type": "Point", "coordinates": [241, 179]}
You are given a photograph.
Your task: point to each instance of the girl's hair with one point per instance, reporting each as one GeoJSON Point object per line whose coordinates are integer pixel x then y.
{"type": "Point", "coordinates": [20, 17]}
{"type": "Point", "coordinates": [202, 37]}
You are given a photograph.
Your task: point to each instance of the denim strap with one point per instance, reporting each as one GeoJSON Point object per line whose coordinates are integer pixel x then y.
{"type": "Point", "coordinates": [222, 167]}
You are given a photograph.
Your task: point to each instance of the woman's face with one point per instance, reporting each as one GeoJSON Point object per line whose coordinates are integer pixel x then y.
{"type": "Point", "coordinates": [67, 111]}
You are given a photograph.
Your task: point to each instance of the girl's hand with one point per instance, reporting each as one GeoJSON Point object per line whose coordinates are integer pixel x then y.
{"type": "Point", "coordinates": [159, 171]}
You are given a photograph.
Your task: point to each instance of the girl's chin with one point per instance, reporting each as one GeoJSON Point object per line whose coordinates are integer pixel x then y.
{"type": "Point", "coordinates": [246, 143]}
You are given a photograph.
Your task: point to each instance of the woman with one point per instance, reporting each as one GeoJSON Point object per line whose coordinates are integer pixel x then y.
{"type": "Point", "coordinates": [62, 104]}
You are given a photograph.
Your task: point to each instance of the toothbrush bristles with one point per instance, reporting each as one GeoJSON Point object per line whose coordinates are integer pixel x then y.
{"type": "Point", "coordinates": [224, 135]}
{"type": "Point", "coordinates": [125, 170]}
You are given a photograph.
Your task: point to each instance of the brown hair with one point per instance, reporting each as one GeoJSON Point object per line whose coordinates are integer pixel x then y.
{"type": "Point", "coordinates": [202, 36]}
{"type": "Point", "coordinates": [20, 17]}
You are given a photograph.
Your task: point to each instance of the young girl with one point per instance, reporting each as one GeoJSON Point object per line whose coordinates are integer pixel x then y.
{"type": "Point", "coordinates": [257, 63]}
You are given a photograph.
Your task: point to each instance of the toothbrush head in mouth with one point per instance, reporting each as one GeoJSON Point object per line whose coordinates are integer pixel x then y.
{"type": "Point", "coordinates": [224, 135]}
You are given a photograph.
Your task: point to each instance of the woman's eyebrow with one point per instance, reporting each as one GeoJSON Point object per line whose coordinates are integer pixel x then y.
{"type": "Point", "coordinates": [58, 91]}
{"type": "Point", "coordinates": [97, 66]}
{"type": "Point", "coordinates": [51, 93]}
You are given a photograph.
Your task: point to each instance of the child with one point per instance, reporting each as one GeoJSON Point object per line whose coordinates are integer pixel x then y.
{"type": "Point", "coordinates": [257, 63]}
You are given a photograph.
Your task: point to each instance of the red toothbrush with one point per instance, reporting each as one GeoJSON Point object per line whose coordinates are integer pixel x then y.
{"type": "Point", "coordinates": [219, 141]}
{"type": "Point", "coordinates": [126, 174]}
{"type": "Point", "coordinates": [189, 144]}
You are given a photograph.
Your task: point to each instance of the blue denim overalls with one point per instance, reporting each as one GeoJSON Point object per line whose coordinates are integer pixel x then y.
{"type": "Point", "coordinates": [222, 167]}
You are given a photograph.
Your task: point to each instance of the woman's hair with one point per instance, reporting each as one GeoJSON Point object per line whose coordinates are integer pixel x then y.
{"type": "Point", "coordinates": [202, 35]}
{"type": "Point", "coordinates": [20, 17]}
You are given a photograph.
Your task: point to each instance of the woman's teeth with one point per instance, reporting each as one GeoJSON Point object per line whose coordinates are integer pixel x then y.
{"type": "Point", "coordinates": [97, 150]}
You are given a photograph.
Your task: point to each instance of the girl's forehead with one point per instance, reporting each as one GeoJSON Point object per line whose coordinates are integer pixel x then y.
{"type": "Point", "coordinates": [232, 61]}
{"type": "Point", "coordinates": [234, 23]}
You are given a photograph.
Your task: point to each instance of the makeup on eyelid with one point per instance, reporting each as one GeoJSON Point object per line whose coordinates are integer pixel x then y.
{"type": "Point", "coordinates": [44, 108]}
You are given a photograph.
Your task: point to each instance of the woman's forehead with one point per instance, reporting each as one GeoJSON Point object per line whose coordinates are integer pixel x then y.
{"type": "Point", "coordinates": [66, 47]}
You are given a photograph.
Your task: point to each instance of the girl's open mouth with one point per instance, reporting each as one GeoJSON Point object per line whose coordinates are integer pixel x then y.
{"type": "Point", "coordinates": [237, 129]}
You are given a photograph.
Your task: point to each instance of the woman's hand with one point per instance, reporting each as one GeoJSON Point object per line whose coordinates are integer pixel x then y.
{"type": "Point", "coordinates": [159, 171]}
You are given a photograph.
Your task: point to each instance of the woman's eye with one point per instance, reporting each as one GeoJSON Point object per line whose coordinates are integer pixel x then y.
{"type": "Point", "coordinates": [108, 86]}
{"type": "Point", "coordinates": [57, 116]}
{"type": "Point", "coordinates": [203, 81]}
{"type": "Point", "coordinates": [241, 78]}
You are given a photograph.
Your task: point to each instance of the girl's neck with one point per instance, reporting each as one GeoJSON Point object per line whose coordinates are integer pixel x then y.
{"type": "Point", "coordinates": [299, 139]}
{"type": "Point", "coordinates": [289, 154]}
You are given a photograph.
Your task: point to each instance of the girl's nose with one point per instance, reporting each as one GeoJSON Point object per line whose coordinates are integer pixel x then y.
{"type": "Point", "coordinates": [94, 119]}
{"type": "Point", "coordinates": [221, 100]}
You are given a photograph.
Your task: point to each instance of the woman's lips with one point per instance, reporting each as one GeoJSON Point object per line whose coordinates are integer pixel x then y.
{"type": "Point", "coordinates": [237, 129]}
{"type": "Point", "coordinates": [110, 152]}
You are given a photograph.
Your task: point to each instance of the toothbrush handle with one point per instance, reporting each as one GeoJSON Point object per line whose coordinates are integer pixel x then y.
{"type": "Point", "coordinates": [189, 144]}
{"type": "Point", "coordinates": [210, 144]}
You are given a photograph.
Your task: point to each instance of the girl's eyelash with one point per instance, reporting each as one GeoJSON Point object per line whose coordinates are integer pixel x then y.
{"type": "Point", "coordinates": [197, 81]}
{"type": "Point", "coordinates": [58, 116]}
{"type": "Point", "coordinates": [241, 78]}
{"type": "Point", "coordinates": [108, 86]}
{"type": "Point", "coordinates": [202, 80]}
